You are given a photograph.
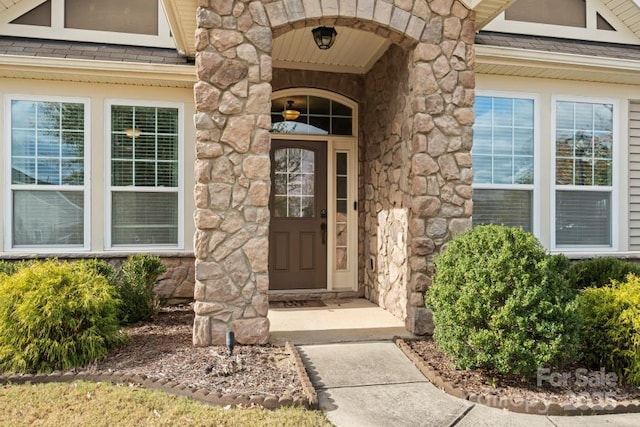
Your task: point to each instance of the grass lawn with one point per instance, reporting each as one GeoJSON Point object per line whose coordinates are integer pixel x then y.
{"type": "Point", "coordinates": [101, 404]}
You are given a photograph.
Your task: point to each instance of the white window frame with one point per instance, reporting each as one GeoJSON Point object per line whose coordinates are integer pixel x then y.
{"type": "Point", "coordinates": [9, 187]}
{"type": "Point", "coordinates": [57, 30]}
{"type": "Point", "coordinates": [614, 189]}
{"type": "Point", "coordinates": [535, 187]}
{"type": "Point", "coordinates": [109, 188]}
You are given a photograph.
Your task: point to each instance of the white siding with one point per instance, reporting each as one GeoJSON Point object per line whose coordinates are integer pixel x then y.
{"type": "Point", "coordinates": [634, 175]}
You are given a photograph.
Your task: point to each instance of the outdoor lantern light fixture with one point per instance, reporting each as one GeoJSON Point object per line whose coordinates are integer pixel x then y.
{"type": "Point", "coordinates": [324, 37]}
{"type": "Point", "coordinates": [289, 113]}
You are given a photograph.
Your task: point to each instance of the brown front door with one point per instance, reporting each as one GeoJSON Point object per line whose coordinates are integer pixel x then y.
{"type": "Point", "coordinates": [298, 230]}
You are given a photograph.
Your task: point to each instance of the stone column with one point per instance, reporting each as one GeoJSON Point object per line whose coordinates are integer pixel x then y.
{"type": "Point", "coordinates": [442, 84]}
{"type": "Point", "coordinates": [232, 171]}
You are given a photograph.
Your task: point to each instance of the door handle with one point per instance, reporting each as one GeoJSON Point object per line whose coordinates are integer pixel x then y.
{"type": "Point", "coordinates": [323, 229]}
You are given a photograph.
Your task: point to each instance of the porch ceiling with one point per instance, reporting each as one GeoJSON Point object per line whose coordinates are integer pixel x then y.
{"type": "Point", "coordinates": [354, 51]}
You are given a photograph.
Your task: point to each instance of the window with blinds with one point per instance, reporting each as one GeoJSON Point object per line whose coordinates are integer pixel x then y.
{"type": "Point", "coordinates": [144, 176]}
{"type": "Point", "coordinates": [503, 161]}
{"type": "Point", "coordinates": [47, 160]}
{"type": "Point", "coordinates": [583, 173]}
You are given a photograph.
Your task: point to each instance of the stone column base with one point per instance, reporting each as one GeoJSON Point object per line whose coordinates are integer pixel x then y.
{"type": "Point", "coordinates": [207, 331]}
{"type": "Point", "coordinates": [419, 321]}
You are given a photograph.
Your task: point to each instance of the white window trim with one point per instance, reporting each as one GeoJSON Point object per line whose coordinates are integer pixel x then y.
{"type": "Point", "coordinates": [8, 187]}
{"type": "Point", "coordinates": [614, 189]}
{"type": "Point", "coordinates": [57, 30]}
{"type": "Point", "coordinates": [535, 187]}
{"type": "Point", "coordinates": [109, 188]}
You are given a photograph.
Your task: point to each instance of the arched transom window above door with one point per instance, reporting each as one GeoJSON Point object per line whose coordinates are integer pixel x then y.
{"type": "Point", "coordinates": [310, 115]}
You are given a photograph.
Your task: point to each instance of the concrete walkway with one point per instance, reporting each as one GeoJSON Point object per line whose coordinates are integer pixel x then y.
{"type": "Point", "coordinates": [373, 384]}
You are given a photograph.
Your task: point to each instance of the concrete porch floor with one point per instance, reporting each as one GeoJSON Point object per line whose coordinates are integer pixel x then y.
{"type": "Point", "coordinates": [341, 320]}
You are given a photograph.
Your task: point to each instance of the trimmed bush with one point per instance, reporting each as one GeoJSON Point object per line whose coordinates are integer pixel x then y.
{"type": "Point", "coordinates": [135, 284]}
{"type": "Point", "coordinates": [55, 316]}
{"type": "Point", "coordinates": [500, 302]}
{"type": "Point", "coordinates": [8, 268]}
{"type": "Point", "coordinates": [102, 268]}
{"type": "Point", "coordinates": [600, 271]}
{"type": "Point", "coordinates": [611, 327]}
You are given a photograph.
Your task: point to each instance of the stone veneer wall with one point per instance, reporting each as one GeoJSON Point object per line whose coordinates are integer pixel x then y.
{"type": "Point", "coordinates": [423, 151]}
{"type": "Point", "coordinates": [232, 170]}
{"type": "Point", "coordinates": [385, 135]}
{"type": "Point", "coordinates": [416, 141]}
{"type": "Point", "coordinates": [174, 287]}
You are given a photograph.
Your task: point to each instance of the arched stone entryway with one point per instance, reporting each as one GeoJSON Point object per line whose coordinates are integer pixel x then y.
{"type": "Point", "coordinates": [415, 138]}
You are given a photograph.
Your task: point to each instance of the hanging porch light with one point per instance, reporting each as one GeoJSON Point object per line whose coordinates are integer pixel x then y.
{"type": "Point", "coordinates": [324, 37]}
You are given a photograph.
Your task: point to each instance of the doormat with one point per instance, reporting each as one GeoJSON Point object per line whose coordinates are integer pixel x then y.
{"type": "Point", "coordinates": [297, 304]}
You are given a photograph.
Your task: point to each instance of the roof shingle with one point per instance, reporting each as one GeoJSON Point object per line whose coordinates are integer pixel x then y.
{"type": "Point", "coordinates": [90, 51]}
{"type": "Point", "coordinates": [550, 44]}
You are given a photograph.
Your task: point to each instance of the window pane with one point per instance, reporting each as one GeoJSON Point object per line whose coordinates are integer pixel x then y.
{"type": "Point", "coordinates": [523, 112]}
{"type": "Point", "coordinates": [121, 173]}
{"type": "Point", "coordinates": [484, 111]}
{"type": "Point", "coordinates": [48, 218]}
{"type": "Point", "coordinates": [523, 142]}
{"type": "Point", "coordinates": [23, 143]}
{"type": "Point", "coordinates": [603, 117]}
{"type": "Point", "coordinates": [318, 116]}
{"type": "Point", "coordinates": [508, 207]}
{"type": "Point", "coordinates": [523, 170]}
{"type": "Point", "coordinates": [41, 153]}
{"type": "Point", "coordinates": [483, 170]}
{"type": "Point", "coordinates": [583, 218]}
{"type": "Point", "coordinates": [23, 171]}
{"type": "Point", "coordinates": [72, 144]}
{"type": "Point", "coordinates": [584, 144]}
{"type": "Point", "coordinates": [564, 115]}
{"type": "Point", "coordinates": [144, 218]}
{"type": "Point", "coordinates": [503, 112]}
{"type": "Point", "coordinates": [23, 114]}
{"type": "Point", "coordinates": [294, 187]}
{"type": "Point", "coordinates": [503, 141]}
{"type": "Point", "coordinates": [149, 136]}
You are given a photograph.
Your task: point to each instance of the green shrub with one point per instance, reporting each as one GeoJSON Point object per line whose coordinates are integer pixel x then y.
{"type": "Point", "coordinates": [600, 271]}
{"type": "Point", "coordinates": [500, 302]}
{"type": "Point", "coordinates": [611, 327]}
{"type": "Point", "coordinates": [103, 268]}
{"type": "Point", "coordinates": [8, 268]}
{"type": "Point", "coordinates": [135, 284]}
{"type": "Point", "coordinates": [55, 316]}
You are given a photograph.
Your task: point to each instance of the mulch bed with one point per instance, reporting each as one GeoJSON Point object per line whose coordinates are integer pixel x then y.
{"type": "Point", "coordinates": [578, 392]}
{"type": "Point", "coordinates": [160, 354]}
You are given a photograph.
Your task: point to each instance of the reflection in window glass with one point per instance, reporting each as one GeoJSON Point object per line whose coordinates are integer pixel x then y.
{"type": "Point", "coordinates": [341, 211]}
{"type": "Point", "coordinates": [584, 142]}
{"type": "Point", "coordinates": [144, 175]}
{"type": "Point", "coordinates": [318, 116]}
{"type": "Point", "coordinates": [584, 163]}
{"type": "Point", "coordinates": [503, 161]}
{"type": "Point", "coordinates": [294, 183]}
{"type": "Point", "coordinates": [47, 173]}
